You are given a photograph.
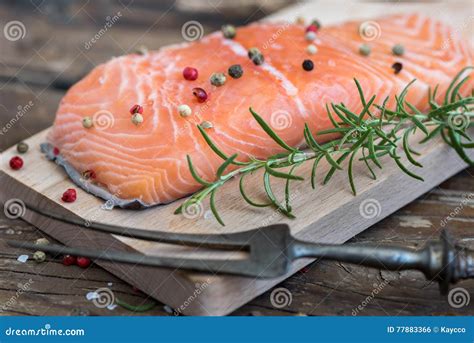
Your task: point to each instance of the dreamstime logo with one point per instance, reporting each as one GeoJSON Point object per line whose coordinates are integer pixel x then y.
{"type": "Point", "coordinates": [110, 21]}
{"type": "Point", "coordinates": [104, 297]}
{"type": "Point", "coordinates": [370, 208]}
{"type": "Point", "coordinates": [276, 35]}
{"type": "Point", "coordinates": [458, 297]}
{"type": "Point", "coordinates": [14, 208]}
{"type": "Point", "coordinates": [192, 30]}
{"type": "Point", "coordinates": [14, 30]}
{"type": "Point", "coordinates": [281, 297]}
{"type": "Point", "coordinates": [193, 210]}
{"type": "Point", "coordinates": [458, 121]}
{"type": "Point", "coordinates": [280, 120]}
{"type": "Point", "coordinates": [103, 120]}
{"type": "Point", "coordinates": [370, 30]}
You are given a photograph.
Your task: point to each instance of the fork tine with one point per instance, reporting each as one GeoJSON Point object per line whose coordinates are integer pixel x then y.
{"type": "Point", "coordinates": [241, 267]}
{"type": "Point", "coordinates": [220, 241]}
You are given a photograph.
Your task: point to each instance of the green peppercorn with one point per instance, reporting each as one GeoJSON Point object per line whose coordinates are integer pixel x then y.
{"type": "Point", "coordinates": [398, 50]}
{"type": "Point", "coordinates": [42, 241]}
{"type": "Point", "coordinates": [39, 256]}
{"type": "Point", "coordinates": [141, 50]}
{"type": "Point", "coordinates": [22, 147]}
{"type": "Point", "coordinates": [256, 56]}
{"type": "Point", "coordinates": [217, 79]}
{"type": "Point", "coordinates": [316, 23]}
{"type": "Point", "coordinates": [137, 119]}
{"type": "Point", "coordinates": [207, 125]}
{"type": "Point", "coordinates": [87, 122]}
{"type": "Point", "coordinates": [228, 31]}
{"type": "Point", "coordinates": [235, 71]}
{"type": "Point", "coordinates": [365, 50]}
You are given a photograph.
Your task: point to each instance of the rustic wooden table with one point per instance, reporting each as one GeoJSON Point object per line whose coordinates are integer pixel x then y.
{"type": "Point", "coordinates": [39, 66]}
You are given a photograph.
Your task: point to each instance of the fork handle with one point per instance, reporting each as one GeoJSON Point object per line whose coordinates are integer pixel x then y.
{"type": "Point", "coordinates": [442, 260]}
{"type": "Point", "coordinates": [387, 257]}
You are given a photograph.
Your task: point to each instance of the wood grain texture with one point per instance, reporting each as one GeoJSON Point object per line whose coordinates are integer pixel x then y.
{"type": "Point", "coordinates": [310, 290]}
{"type": "Point", "coordinates": [334, 216]}
{"type": "Point", "coordinates": [60, 290]}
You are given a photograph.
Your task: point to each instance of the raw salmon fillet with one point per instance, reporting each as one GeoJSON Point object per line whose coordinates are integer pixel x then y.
{"type": "Point", "coordinates": [146, 164]}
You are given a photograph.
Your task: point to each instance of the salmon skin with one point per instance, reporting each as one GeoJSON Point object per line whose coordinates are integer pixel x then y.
{"type": "Point", "coordinates": [145, 164]}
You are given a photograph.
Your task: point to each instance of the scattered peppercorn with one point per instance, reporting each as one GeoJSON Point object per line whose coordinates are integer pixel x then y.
{"type": "Point", "coordinates": [256, 56]}
{"type": "Point", "coordinates": [365, 50]}
{"type": "Point", "coordinates": [184, 111]}
{"type": "Point", "coordinates": [89, 174]}
{"type": "Point", "coordinates": [398, 50]}
{"type": "Point", "coordinates": [69, 260]}
{"type": "Point", "coordinates": [217, 79]}
{"type": "Point", "coordinates": [22, 147]}
{"type": "Point", "coordinates": [41, 241]}
{"type": "Point", "coordinates": [311, 28]}
{"type": "Point", "coordinates": [87, 122]}
{"type": "Point", "coordinates": [39, 256]}
{"type": "Point", "coordinates": [137, 119]}
{"type": "Point", "coordinates": [69, 195]}
{"type": "Point", "coordinates": [308, 65]}
{"type": "Point", "coordinates": [200, 94]}
{"type": "Point", "coordinates": [316, 23]}
{"type": "Point", "coordinates": [136, 109]}
{"type": "Point", "coordinates": [190, 73]}
{"type": "Point", "coordinates": [235, 71]}
{"type": "Point", "coordinates": [311, 49]}
{"type": "Point", "coordinates": [141, 50]}
{"type": "Point", "coordinates": [397, 67]}
{"type": "Point", "coordinates": [207, 125]}
{"type": "Point", "coordinates": [228, 31]}
{"type": "Point", "coordinates": [310, 36]}
{"type": "Point", "coordinates": [300, 21]}
{"type": "Point", "coordinates": [83, 262]}
{"type": "Point", "coordinates": [16, 162]}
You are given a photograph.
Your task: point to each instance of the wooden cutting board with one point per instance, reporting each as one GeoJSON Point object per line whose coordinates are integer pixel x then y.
{"type": "Point", "coordinates": [328, 214]}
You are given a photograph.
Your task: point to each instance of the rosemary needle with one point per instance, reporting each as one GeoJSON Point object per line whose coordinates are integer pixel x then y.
{"type": "Point", "coordinates": [374, 137]}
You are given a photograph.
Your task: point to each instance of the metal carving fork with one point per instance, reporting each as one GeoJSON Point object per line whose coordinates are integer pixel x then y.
{"type": "Point", "coordinates": [271, 251]}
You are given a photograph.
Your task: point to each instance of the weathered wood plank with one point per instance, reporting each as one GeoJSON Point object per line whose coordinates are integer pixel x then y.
{"type": "Point", "coordinates": [314, 292]}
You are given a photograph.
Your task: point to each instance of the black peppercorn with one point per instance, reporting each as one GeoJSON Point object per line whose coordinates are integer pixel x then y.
{"type": "Point", "coordinates": [308, 65]}
{"type": "Point", "coordinates": [235, 71]}
{"type": "Point", "coordinates": [397, 67]}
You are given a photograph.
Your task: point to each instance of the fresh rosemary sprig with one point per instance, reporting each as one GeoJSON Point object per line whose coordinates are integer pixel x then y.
{"type": "Point", "coordinates": [361, 132]}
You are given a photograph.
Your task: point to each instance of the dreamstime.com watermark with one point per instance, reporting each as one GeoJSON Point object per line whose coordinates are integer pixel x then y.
{"type": "Point", "coordinates": [458, 297]}
{"type": "Point", "coordinates": [22, 288]}
{"type": "Point", "coordinates": [278, 212]}
{"type": "Point", "coordinates": [110, 21]}
{"type": "Point", "coordinates": [370, 208]}
{"type": "Point", "coordinates": [200, 287]}
{"type": "Point", "coordinates": [281, 297]}
{"type": "Point", "coordinates": [14, 30]}
{"type": "Point", "coordinates": [271, 41]}
{"type": "Point", "coordinates": [14, 208]}
{"type": "Point", "coordinates": [45, 331]}
{"type": "Point", "coordinates": [458, 209]}
{"type": "Point", "coordinates": [377, 289]}
{"type": "Point", "coordinates": [21, 111]}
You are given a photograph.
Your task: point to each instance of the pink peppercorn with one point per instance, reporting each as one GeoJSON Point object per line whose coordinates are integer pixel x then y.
{"type": "Point", "coordinates": [200, 94]}
{"type": "Point", "coordinates": [83, 262]}
{"type": "Point", "coordinates": [69, 260]}
{"type": "Point", "coordinates": [312, 28]}
{"type": "Point", "coordinates": [55, 151]}
{"type": "Point", "coordinates": [16, 162]}
{"type": "Point", "coordinates": [190, 73]}
{"type": "Point", "coordinates": [69, 195]}
{"type": "Point", "coordinates": [136, 109]}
